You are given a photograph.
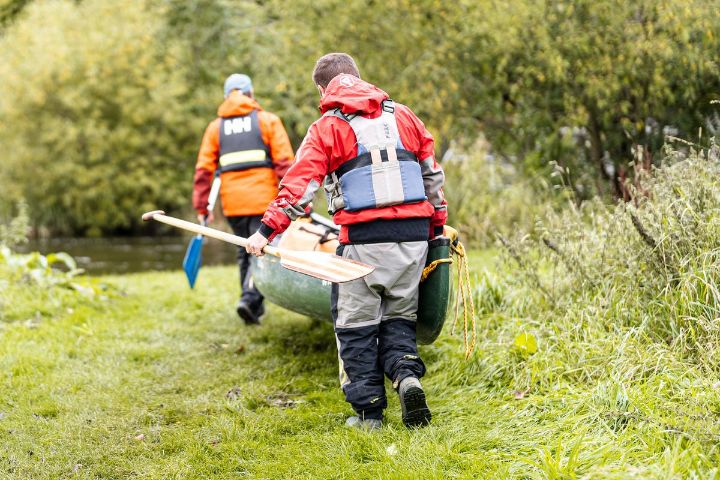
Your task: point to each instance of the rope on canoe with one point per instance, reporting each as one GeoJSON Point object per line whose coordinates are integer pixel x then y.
{"type": "Point", "coordinates": [433, 265]}
{"type": "Point", "coordinates": [464, 293]}
{"type": "Point", "coordinates": [464, 290]}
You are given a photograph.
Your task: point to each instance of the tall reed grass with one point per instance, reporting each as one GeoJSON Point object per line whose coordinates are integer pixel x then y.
{"type": "Point", "coordinates": [621, 300]}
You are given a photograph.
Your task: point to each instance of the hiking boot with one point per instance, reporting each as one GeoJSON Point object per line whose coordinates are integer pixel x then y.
{"type": "Point", "coordinates": [367, 424]}
{"type": "Point", "coordinates": [415, 412]}
{"type": "Point", "coordinates": [247, 314]}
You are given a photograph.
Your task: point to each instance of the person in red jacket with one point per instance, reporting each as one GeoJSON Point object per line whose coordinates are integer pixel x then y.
{"type": "Point", "coordinates": [250, 149]}
{"type": "Point", "coordinates": [376, 161]}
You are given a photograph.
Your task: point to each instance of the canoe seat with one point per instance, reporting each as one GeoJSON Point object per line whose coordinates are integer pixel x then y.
{"type": "Point", "coordinates": [304, 235]}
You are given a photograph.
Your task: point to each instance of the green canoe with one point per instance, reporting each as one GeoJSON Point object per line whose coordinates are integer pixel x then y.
{"type": "Point", "coordinates": [311, 297]}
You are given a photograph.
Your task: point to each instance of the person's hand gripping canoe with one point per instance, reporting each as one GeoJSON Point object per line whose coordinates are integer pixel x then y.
{"type": "Point", "coordinates": [256, 243]}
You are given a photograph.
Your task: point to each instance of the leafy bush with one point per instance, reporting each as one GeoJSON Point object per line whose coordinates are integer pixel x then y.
{"type": "Point", "coordinates": [488, 196]}
{"type": "Point", "coordinates": [33, 285]}
{"type": "Point", "coordinates": [102, 120]}
{"type": "Point", "coordinates": [583, 82]}
{"type": "Point", "coordinates": [14, 231]}
{"type": "Point", "coordinates": [95, 126]}
{"type": "Point", "coordinates": [622, 291]}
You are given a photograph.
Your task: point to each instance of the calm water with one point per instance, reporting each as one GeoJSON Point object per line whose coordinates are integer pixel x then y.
{"type": "Point", "coordinates": [124, 255]}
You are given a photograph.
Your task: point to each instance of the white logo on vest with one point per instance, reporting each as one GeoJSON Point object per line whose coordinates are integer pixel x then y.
{"type": "Point", "coordinates": [238, 125]}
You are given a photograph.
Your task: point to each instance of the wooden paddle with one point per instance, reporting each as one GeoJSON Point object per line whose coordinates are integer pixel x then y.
{"type": "Point", "coordinates": [324, 266]}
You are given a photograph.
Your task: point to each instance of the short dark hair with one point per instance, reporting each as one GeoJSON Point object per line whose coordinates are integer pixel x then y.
{"type": "Point", "coordinates": [331, 65]}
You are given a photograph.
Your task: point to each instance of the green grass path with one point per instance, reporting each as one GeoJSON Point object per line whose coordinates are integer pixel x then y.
{"type": "Point", "coordinates": [137, 387]}
{"type": "Point", "coordinates": [164, 382]}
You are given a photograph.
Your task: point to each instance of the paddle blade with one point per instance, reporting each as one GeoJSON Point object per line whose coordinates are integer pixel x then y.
{"type": "Point", "coordinates": [324, 266]}
{"type": "Point", "coordinates": [193, 259]}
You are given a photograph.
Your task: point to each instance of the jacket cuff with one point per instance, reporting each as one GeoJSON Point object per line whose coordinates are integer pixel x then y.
{"type": "Point", "coordinates": [438, 231]}
{"type": "Point", "coordinates": [266, 231]}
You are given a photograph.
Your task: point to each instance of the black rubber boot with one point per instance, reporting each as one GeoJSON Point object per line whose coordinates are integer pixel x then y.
{"type": "Point", "coordinates": [415, 411]}
{"type": "Point", "coordinates": [247, 314]}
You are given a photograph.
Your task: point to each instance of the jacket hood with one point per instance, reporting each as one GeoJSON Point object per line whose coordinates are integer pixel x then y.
{"type": "Point", "coordinates": [352, 95]}
{"type": "Point", "coordinates": [237, 104]}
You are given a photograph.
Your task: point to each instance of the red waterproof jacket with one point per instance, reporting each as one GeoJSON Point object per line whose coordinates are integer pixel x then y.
{"type": "Point", "coordinates": [330, 142]}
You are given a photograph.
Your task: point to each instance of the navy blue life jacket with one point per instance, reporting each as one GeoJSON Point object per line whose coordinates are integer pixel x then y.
{"type": "Point", "coordinates": [241, 144]}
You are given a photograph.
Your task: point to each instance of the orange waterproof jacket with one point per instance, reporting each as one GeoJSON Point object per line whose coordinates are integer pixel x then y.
{"type": "Point", "coordinates": [245, 192]}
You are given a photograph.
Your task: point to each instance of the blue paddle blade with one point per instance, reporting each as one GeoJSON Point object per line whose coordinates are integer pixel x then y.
{"type": "Point", "coordinates": [193, 259]}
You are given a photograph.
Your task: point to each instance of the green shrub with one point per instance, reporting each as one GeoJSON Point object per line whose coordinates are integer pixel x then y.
{"type": "Point", "coordinates": [95, 128]}
{"type": "Point", "coordinates": [622, 291]}
{"type": "Point", "coordinates": [14, 231]}
{"type": "Point", "coordinates": [102, 120]}
{"type": "Point", "coordinates": [34, 285]}
{"type": "Point", "coordinates": [487, 196]}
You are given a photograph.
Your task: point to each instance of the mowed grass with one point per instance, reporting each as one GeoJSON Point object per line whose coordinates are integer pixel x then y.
{"type": "Point", "coordinates": [164, 382]}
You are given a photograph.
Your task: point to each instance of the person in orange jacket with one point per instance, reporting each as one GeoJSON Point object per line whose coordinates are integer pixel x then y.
{"type": "Point", "coordinates": [251, 151]}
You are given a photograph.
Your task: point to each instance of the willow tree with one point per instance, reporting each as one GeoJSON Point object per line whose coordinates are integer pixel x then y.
{"type": "Point", "coordinates": [94, 131]}
{"type": "Point", "coordinates": [583, 82]}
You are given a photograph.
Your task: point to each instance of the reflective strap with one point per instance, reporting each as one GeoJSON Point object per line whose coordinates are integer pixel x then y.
{"type": "Point", "coordinates": [375, 155]}
{"type": "Point", "coordinates": [387, 185]}
{"type": "Point", "coordinates": [364, 159]}
{"type": "Point", "coordinates": [242, 157]}
{"type": "Point", "coordinates": [392, 154]}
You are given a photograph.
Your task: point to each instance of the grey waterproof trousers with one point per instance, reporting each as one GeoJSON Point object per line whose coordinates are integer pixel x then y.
{"type": "Point", "coordinates": [374, 320]}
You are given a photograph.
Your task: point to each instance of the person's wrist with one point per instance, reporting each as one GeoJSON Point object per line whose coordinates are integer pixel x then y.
{"type": "Point", "coordinates": [265, 230]}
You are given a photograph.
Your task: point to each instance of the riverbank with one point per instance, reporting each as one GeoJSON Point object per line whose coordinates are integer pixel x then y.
{"type": "Point", "coordinates": [157, 381]}
{"type": "Point", "coordinates": [120, 255]}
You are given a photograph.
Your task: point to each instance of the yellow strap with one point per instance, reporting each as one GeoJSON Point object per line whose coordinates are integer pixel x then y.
{"type": "Point", "coordinates": [431, 268]}
{"type": "Point", "coordinates": [242, 157]}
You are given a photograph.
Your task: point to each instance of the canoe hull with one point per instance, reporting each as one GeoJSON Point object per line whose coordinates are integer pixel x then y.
{"type": "Point", "coordinates": [292, 290]}
{"type": "Point", "coordinates": [435, 293]}
{"type": "Point", "coordinates": [311, 297]}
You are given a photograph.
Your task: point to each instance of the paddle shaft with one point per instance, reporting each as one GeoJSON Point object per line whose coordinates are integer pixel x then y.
{"type": "Point", "coordinates": [159, 216]}
{"type": "Point", "coordinates": [212, 198]}
{"type": "Point", "coordinates": [214, 191]}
